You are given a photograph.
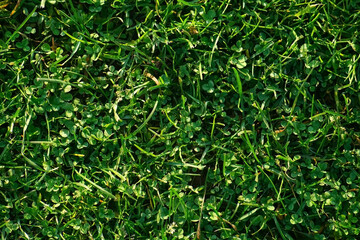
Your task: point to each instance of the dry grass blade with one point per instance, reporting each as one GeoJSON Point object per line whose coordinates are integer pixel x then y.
{"type": "Point", "coordinates": [15, 8]}
{"type": "Point", "coordinates": [152, 78]}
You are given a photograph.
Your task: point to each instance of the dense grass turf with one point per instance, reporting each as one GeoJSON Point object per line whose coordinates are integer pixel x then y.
{"type": "Point", "coordinates": [152, 119]}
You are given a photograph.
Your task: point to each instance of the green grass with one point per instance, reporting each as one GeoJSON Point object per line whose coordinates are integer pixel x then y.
{"type": "Point", "coordinates": [140, 119]}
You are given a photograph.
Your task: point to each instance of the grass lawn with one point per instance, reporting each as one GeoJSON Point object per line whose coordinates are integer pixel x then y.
{"type": "Point", "coordinates": [179, 119]}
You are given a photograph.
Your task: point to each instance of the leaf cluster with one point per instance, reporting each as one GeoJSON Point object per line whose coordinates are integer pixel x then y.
{"type": "Point", "coordinates": [181, 119]}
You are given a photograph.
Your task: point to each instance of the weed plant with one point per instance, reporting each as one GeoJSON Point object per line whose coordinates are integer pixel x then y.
{"type": "Point", "coordinates": [178, 119]}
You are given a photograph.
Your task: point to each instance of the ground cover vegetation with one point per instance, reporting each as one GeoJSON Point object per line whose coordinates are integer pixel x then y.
{"type": "Point", "coordinates": [178, 119]}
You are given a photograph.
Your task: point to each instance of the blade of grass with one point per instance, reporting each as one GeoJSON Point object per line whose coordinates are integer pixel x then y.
{"type": "Point", "coordinates": [198, 231]}
{"type": "Point", "coordinates": [215, 45]}
{"type": "Point", "coordinates": [145, 122]}
{"type": "Point", "coordinates": [260, 168]}
{"type": "Point", "coordinates": [105, 192]}
{"type": "Point", "coordinates": [73, 52]}
{"type": "Point", "coordinates": [238, 81]}
{"type": "Point", "coordinates": [21, 25]}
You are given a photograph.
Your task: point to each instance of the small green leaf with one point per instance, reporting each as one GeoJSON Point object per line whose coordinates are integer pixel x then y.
{"type": "Point", "coordinates": [99, 134]}
{"type": "Point", "coordinates": [66, 96]}
{"type": "Point", "coordinates": [67, 89]}
{"type": "Point", "coordinates": [209, 86]}
{"type": "Point", "coordinates": [239, 62]}
{"type": "Point", "coordinates": [270, 207]}
{"type": "Point", "coordinates": [64, 133]}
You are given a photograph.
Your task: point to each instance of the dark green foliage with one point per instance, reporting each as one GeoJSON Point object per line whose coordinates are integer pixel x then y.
{"type": "Point", "coordinates": [129, 119]}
